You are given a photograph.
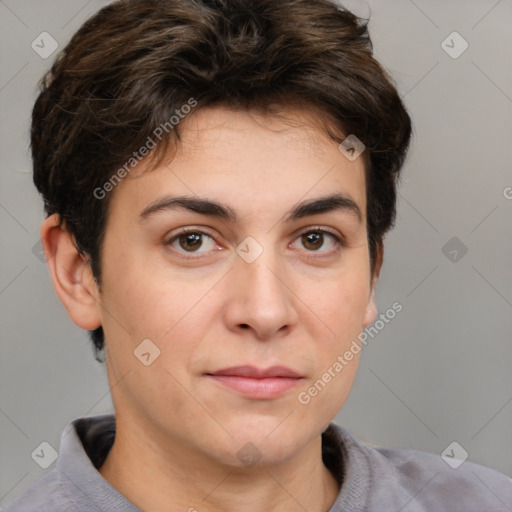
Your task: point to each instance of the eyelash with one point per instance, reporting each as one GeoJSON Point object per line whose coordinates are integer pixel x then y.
{"type": "Point", "coordinates": [339, 240]}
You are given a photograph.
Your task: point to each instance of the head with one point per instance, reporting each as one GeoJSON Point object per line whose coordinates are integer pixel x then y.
{"type": "Point", "coordinates": [224, 117]}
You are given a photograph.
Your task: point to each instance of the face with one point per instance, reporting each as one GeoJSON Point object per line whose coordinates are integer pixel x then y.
{"type": "Point", "coordinates": [259, 282]}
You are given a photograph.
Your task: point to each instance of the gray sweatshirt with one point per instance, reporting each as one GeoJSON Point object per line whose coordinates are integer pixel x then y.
{"type": "Point", "coordinates": [371, 479]}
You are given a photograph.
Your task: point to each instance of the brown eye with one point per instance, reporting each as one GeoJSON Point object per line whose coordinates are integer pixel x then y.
{"type": "Point", "coordinates": [313, 240]}
{"type": "Point", "coordinates": [191, 241]}
{"type": "Point", "coordinates": [320, 240]}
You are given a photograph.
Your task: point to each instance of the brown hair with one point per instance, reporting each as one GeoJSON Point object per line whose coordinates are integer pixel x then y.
{"type": "Point", "coordinates": [132, 65]}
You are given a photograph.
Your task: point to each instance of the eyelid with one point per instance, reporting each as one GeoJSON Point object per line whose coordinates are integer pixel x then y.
{"type": "Point", "coordinates": [322, 229]}
{"type": "Point", "coordinates": [184, 231]}
{"type": "Point", "coordinates": [191, 229]}
{"type": "Point", "coordinates": [339, 239]}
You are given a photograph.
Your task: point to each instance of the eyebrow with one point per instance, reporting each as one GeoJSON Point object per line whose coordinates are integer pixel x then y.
{"type": "Point", "coordinates": [330, 203]}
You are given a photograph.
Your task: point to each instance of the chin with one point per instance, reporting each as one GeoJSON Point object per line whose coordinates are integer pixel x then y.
{"type": "Point", "coordinates": [257, 453]}
{"type": "Point", "coordinates": [270, 440]}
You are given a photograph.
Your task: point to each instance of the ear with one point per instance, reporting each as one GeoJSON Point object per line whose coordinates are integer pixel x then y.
{"type": "Point", "coordinates": [371, 308]}
{"type": "Point", "coordinates": [71, 274]}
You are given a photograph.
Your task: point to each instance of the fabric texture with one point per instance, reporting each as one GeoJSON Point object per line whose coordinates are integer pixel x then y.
{"type": "Point", "coordinates": [371, 479]}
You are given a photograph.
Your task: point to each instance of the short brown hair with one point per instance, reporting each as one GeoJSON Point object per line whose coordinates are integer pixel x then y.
{"type": "Point", "coordinates": [134, 63]}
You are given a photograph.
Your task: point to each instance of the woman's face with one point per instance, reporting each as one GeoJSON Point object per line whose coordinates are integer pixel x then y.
{"type": "Point", "coordinates": [275, 276]}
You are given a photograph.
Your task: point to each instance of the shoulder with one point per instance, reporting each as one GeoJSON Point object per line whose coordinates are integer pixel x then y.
{"type": "Point", "coordinates": [431, 480]}
{"type": "Point", "coordinates": [45, 495]}
{"type": "Point", "coordinates": [416, 481]}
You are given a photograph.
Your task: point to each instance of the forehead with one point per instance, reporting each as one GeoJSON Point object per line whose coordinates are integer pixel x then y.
{"type": "Point", "coordinates": [301, 129]}
{"type": "Point", "coordinates": [249, 159]}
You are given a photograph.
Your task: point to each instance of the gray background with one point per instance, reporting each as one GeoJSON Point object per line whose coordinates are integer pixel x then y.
{"type": "Point", "coordinates": [439, 372]}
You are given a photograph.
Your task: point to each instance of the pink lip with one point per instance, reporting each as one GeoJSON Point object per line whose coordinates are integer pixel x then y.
{"type": "Point", "coordinates": [257, 383]}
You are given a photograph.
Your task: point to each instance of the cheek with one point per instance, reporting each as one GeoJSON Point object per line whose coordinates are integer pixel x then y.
{"type": "Point", "coordinates": [341, 302]}
{"type": "Point", "coordinates": [146, 302]}
{"type": "Point", "coordinates": [341, 307]}
{"type": "Point", "coordinates": [135, 293]}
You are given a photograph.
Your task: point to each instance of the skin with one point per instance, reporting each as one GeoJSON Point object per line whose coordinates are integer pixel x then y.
{"type": "Point", "coordinates": [298, 304]}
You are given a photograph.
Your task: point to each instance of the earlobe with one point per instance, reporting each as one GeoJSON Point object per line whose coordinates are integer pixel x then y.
{"type": "Point", "coordinates": [371, 310]}
{"type": "Point", "coordinates": [71, 274]}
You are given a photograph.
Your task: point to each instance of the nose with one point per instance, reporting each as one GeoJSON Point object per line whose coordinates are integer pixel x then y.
{"type": "Point", "coordinates": [261, 298]}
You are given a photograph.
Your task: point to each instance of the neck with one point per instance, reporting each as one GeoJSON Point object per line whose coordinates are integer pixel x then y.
{"type": "Point", "coordinates": [176, 478]}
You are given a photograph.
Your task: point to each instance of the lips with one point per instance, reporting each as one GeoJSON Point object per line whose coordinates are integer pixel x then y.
{"type": "Point", "coordinates": [257, 383]}
{"type": "Point", "coordinates": [256, 373]}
